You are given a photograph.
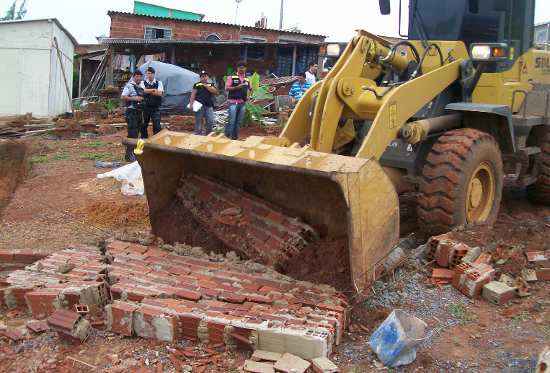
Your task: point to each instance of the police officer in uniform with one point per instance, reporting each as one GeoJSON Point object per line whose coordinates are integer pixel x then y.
{"type": "Point", "coordinates": [152, 99]}
{"type": "Point", "coordinates": [132, 95]}
{"type": "Point", "coordinates": [238, 88]}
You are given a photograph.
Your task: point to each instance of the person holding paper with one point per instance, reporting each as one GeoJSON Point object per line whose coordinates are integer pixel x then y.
{"type": "Point", "coordinates": [203, 93]}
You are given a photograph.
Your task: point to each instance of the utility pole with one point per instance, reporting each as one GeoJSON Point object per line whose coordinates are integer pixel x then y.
{"type": "Point", "coordinates": [282, 14]}
{"type": "Point", "coordinates": [237, 11]}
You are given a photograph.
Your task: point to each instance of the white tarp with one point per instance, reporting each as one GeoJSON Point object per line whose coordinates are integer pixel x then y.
{"type": "Point", "coordinates": [130, 175]}
{"type": "Point", "coordinates": [178, 84]}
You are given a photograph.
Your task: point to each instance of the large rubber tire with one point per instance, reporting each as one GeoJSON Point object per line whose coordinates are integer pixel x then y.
{"type": "Point", "coordinates": [460, 162]}
{"type": "Point", "coordinates": [540, 191]}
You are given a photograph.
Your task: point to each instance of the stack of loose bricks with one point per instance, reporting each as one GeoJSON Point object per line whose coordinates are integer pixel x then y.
{"type": "Point", "coordinates": [153, 293]}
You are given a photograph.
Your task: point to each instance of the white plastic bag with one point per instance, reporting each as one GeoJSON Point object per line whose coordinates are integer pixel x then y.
{"type": "Point", "coordinates": [130, 175]}
{"type": "Point", "coordinates": [196, 106]}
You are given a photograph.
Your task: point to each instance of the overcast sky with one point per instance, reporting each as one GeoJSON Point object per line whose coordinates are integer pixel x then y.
{"type": "Point", "coordinates": [86, 19]}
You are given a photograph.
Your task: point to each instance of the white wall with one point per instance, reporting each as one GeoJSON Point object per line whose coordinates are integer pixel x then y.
{"type": "Point", "coordinates": [32, 82]}
{"type": "Point", "coordinates": [59, 101]}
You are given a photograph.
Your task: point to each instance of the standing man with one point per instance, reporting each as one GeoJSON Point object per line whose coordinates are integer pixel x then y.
{"type": "Point", "coordinates": [153, 90]}
{"type": "Point", "coordinates": [132, 95]}
{"type": "Point", "coordinates": [311, 73]}
{"type": "Point", "coordinates": [238, 88]}
{"type": "Point", "coordinates": [204, 92]}
{"type": "Point", "coordinates": [299, 87]}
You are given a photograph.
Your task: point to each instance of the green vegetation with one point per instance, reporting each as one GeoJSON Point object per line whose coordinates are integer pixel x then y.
{"type": "Point", "coordinates": [97, 156]}
{"type": "Point", "coordinates": [111, 105]}
{"type": "Point", "coordinates": [96, 144]}
{"type": "Point", "coordinates": [41, 158]}
{"type": "Point", "coordinates": [62, 156]}
{"type": "Point", "coordinates": [460, 312]}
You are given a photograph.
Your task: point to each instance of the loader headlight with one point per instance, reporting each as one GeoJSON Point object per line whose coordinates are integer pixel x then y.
{"type": "Point", "coordinates": [489, 52]}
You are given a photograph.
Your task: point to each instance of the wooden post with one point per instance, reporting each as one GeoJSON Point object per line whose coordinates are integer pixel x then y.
{"type": "Point", "coordinates": [109, 71]}
{"type": "Point", "coordinates": [294, 58]}
{"type": "Point", "coordinates": [173, 55]}
{"type": "Point", "coordinates": [69, 95]}
{"type": "Point", "coordinates": [80, 78]}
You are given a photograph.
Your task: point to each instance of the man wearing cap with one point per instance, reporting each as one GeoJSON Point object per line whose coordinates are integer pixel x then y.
{"type": "Point", "coordinates": [153, 90]}
{"type": "Point", "coordinates": [132, 95]}
{"type": "Point", "coordinates": [203, 92]}
{"type": "Point", "coordinates": [238, 88]}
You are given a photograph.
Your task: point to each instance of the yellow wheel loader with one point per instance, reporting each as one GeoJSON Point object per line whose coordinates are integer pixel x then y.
{"type": "Point", "coordinates": [451, 110]}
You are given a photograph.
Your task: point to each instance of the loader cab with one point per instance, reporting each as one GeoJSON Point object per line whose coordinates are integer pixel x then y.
{"type": "Point", "coordinates": [473, 21]}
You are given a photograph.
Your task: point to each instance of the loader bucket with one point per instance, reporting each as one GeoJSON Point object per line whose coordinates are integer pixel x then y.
{"type": "Point", "coordinates": [337, 196]}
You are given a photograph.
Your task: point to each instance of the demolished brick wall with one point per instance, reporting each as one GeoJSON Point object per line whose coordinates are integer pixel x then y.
{"type": "Point", "coordinates": [152, 293]}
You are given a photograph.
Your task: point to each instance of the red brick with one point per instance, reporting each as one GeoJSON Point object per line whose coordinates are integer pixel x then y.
{"type": "Point", "coordinates": [188, 294]}
{"type": "Point", "coordinates": [232, 297]}
{"type": "Point", "coordinates": [42, 302]}
{"type": "Point", "coordinates": [442, 273]}
{"type": "Point", "coordinates": [543, 274]}
{"type": "Point", "coordinates": [257, 298]}
{"type": "Point", "coordinates": [6, 257]}
{"type": "Point", "coordinates": [38, 326]}
{"type": "Point", "coordinates": [118, 245]}
{"type": "Point", "coordinates": [120, 317]}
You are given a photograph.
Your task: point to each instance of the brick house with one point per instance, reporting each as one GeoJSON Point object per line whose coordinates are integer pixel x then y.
{"type": "Point", "coordinates": [213, 46]}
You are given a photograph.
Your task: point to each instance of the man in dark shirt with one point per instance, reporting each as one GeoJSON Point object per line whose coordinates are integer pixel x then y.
{"type": "Point", "coordinates": [203, 92]}
{"type": "Point", "coordinates": [152, 100]}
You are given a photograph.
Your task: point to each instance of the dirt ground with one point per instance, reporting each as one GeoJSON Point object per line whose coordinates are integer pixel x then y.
{"type": "Point", "coordinates": [61, 202]}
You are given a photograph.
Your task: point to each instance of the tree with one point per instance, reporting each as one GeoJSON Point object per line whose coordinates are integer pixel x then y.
{"type": "Point", "coordinates": [12, 14]}
{"type": "Point", "coordinates": [22, 10]}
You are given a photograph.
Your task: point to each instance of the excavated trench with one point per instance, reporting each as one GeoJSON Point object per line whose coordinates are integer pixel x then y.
{"type": "Point", "coordinates": [13, 168]}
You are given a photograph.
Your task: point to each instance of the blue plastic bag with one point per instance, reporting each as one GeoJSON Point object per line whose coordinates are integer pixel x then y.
{"type": "Point", "coordinates": [395, 340]}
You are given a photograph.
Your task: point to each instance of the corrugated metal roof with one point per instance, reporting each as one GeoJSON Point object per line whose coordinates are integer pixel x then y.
{"type": "Point", "coordinates": [137, 41]}
{"type": "Point", "coordinates": [112, 12]}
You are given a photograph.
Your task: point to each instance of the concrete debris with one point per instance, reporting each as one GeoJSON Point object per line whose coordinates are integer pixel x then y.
{"type": "Point", "coordinates": [507, 279]}
{"type": "Point", "coordinates": [396, 339]}
{"type": "Point", "coordinates": [261, 355]}
{"type": "Point", "coordinates": [498, 292]}
{"type": "Point", "coordinates": [529, 275]}
{"type": "Point", "coordinates": [38, 326]}
{"type": "Point", "coordinates": [257, 367]}
{"type": "Point", "coordinates": [69, 325]}
{"type": "Point", "coordinates": [323, 365]}
{"type": "Point", "coordinates": [469, 279]}
{"type": "Point", "coordinates": [472, 255]}
{"type": "Point", "coordinates": [154, 294]}
{"type": "Point", "coordinates": [290, 363]}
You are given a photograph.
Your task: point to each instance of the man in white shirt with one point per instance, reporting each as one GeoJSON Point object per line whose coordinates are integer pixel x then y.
{"type": "Point", "coordinates": [152, 99]}
{"type": "Point", "coordinates": [132, 95]}
{"type": "Point", "coordinates": [311, 73]}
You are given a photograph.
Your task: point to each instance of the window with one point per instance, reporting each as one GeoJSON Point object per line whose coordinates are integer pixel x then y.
{"type": "Point", "coordinates": [213, 37]}
{"type": "Point", "coordinates": [153, 32]}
